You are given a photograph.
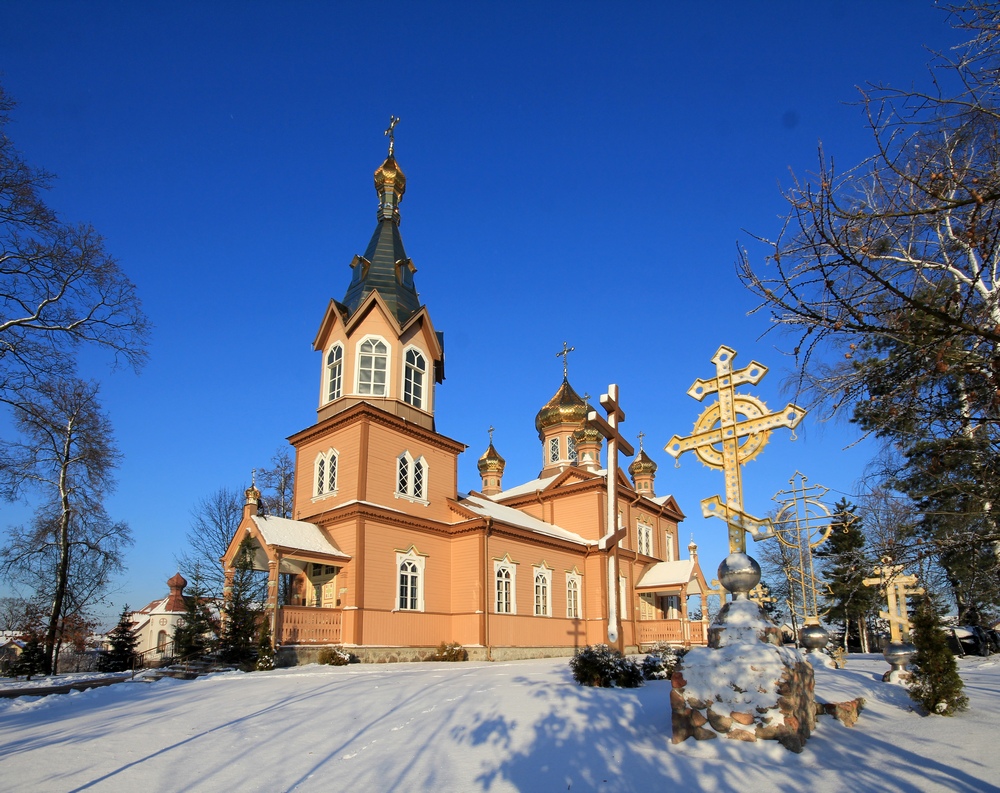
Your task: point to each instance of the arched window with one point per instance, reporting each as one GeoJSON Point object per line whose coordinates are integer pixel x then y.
{"type": "Point", "coordinates": [410, 571]}
{"type": "Point", "coordinates": [325, 481]}
{"type": "Point", "coordinates": [543, 589]}
{"type": "Point", "coordinates": [413, 379]}
{"type": "Point", "coordinates": [161, 642]}
{"type": "Point", "coordinates": [411, 476]}
{"type": "Point", "coordinates": [334, 373]}
{"type": "Point", "coordinates": [572, 596]}
{"type": "Point", "coordinates": [373, 362]}
{"type": "Point", "coordinates": [505, 572]}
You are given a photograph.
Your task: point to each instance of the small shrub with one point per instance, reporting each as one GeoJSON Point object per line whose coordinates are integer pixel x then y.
{"type": "Point", "coordinates": [334, 656]}
{"type": "Point", "coordinates": [599, 665]}
{"type": "Point", "coordinates": [661, 662]}
{"type": "Point", "coordinates": [265, 652]}
{"type": "Point", "coordinates": [450, 651]}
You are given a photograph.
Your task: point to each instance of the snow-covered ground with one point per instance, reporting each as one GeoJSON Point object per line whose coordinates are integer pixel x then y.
{"type": "Point", "coordinates": [475, 726]}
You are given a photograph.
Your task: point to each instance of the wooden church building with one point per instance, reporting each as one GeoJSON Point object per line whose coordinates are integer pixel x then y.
{"type": "Point", "coordinates": [386, 558]}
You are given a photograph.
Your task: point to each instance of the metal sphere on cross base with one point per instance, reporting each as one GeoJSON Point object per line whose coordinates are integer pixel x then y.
{"type": "Point", "coordinates": [898, 654]}
{"type": "Point", "coordinates": [813, 637]}
{"type": "Point", "coordinates": [739, 573]}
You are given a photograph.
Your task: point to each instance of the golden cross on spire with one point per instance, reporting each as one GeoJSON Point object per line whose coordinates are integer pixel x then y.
{"type": "Point", "coordinates": [566, 350]}
{"type": "Point", "coordinates": [393, 121]}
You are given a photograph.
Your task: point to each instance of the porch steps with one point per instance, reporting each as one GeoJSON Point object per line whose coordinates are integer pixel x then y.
{"type": "Point", "coordinates": [188, 670]}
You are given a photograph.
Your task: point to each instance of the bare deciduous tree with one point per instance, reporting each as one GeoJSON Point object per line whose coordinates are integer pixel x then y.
{"type": "Point", "coordinates": [66, 455]}
{"type": "Point", "coordinates": [214, 520]}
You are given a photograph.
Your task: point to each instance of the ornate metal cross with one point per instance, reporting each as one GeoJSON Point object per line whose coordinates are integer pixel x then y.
{"type": "Point", "coordinates": [727, 434]}
{"type": "Point", "coordinates": [566, 350]}
{"type": "Point", "coordinates": [390, 132]}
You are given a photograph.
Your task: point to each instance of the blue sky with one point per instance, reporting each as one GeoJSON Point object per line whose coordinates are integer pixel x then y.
{"type": "Point", "coordinates": [577, 172]}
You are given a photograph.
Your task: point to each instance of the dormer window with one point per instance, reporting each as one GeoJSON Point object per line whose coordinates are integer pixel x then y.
{"type": "Point", "coordinates": [413, 378]}
{"type": "Point", "coordinates": [373, 366]}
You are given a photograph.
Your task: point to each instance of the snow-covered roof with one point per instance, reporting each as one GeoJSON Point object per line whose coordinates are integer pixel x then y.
{"type": "Point", "coordinates": [296, 534]}
{"type": "Point", "coordinates": [527, 487]}
{"type": "Point", "coordinates": [483, 506]}
{"type": "Point", "coordinates": [667, 574]}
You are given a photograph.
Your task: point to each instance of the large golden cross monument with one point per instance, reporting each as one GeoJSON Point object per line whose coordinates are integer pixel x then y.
{"type": "Point", "coordinates": [729, 433]}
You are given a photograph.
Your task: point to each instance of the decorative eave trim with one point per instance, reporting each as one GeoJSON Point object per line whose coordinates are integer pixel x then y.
{"type": "Point", "coordinates": [334, 312]}
{"type": "Point", "coordinates": [376, 415]}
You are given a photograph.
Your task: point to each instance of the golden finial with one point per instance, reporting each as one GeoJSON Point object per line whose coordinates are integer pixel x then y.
{"type": "Point", "coordinates": [390, 133]}
{"type": "Point", "coordinates": [566, 350]}
{"type": "Point", "coordinates": [640, 436]}
{"type": "Point", "coordinates": [491, 434]}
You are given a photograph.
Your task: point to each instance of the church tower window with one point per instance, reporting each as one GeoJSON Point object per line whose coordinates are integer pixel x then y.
{"type": "Point", "coordinates": [553, 450]}
{"type": "Point", "coordinates": [571, 448]}
{"type": "Point", "coordinates": [326, 473]}
{"type": "Point", "coordinates": [413, 381]}
{"type": "Point", "coordinates": [373, 367]}
{"type": "Point", "coordinates": [335, 373]}
{"type": "Point", "coordinates": [411, 476]}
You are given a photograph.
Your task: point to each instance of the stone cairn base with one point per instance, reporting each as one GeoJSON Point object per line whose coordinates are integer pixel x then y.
{"type": "Point", "coordinates": [745, 685]}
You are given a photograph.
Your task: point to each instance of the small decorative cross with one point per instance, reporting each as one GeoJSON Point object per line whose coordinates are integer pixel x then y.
{"type": "Point", "coordinates": [393, 121]}
{"type": "Point", "coordinates": [566, 350]}
{"type": "Point", "coordinates": [491, 434]}
{"type": "Point", "coordinates": [640, 436]}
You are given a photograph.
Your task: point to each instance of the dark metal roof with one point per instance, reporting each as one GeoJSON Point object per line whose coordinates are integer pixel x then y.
{"type": "Point", "coordinates": [386, 270]}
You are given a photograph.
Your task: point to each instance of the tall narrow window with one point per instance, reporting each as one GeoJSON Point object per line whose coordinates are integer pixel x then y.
{"type": "Point", "coordinates": [408, 583]}
{"type": "Point", "coordinates": [334, 372]}
{"type": "Point", "coordinates": [413, 380]}
{"type": "Point", "coordinates": [543, 589]}
{"type": "Point", "coordinates": [410, 575]}
{"type": "Point", "coordinates": [504, 605]}
{"type": "Point", "coordinates": [644, 532]}
{"type": "Point", "coordinates": [372, 367]}
{"type": "Point", "coordinates": [571, 448]}
{"type": "Point", "coordinates": [572, 596]}
{"type": "Point", "coordinates": [553, 450]}
{"type": "Point", "coordinates": [161, 642]}
{"type": "Point", "coordinates": [326, 473]}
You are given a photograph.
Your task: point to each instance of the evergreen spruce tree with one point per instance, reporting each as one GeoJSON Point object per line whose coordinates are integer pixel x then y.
{"type": "Point", "coordinates": [31, 661]}
{"type": "Point", "coordinates": [265, 652]}
{"type": "Point", "coordinates": [241, 609]}
{"type": "Point", "coordinates": [121, 656]}
{"type": "Point", "coordinates": [846, 565]}
{"type": "Point", "coordinates": [935, 683]}
{"type": "Point", "coordinates": [195, 633]}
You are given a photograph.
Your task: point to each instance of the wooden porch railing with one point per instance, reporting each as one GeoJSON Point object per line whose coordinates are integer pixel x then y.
{"type": "Point", "coordinates": [673, 631]}
{"type": "Point", "coordinates": [310, 625]}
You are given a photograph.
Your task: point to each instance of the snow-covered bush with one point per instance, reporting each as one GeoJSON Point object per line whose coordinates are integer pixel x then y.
{"type": "Point", "coordinates": [334, 656]}
{"type": "Point", "coordinates": [450, 651]}
{"type": "Point", "coordinates": [661, 661]}
{"type": "Point", "coordinates": [599, 665]}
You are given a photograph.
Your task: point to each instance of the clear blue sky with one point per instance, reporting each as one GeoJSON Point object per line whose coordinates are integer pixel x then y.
{"type": "Point", "coordinates": [575, 171]}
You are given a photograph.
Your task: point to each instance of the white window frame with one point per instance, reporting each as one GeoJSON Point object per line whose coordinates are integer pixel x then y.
{"type": "Point", "coordinates": [507, 566]}
{"type": "Point", "coordinates": [373, 340]}
{"type": "Point", "coordinates": [415, 376]}
{"type": "Point", "coordinates": [334, 374]}
{"type": "Point", "coordinates": [330, 481]}
{"type": "Point", "coordinates": [412, 478]}
{"type": "Point", "coordinates": [668, 546]}
{"type": "Point", "coordinates": [574, 589]}
{"type": "Point", "coordinates": [571, 454]}
{"type": "Point", "coordinates": [542, 588]}
{"type": "Point", "coordinates": [644, 537]}
{"type": "Point", "coordinates": [552, 455]}
{"type": "Point", "coordinates": [417, 561]}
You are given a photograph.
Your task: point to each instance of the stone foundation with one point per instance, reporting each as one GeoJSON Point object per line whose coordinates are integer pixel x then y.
{"type": "Point", "coordinates": [744, 685]}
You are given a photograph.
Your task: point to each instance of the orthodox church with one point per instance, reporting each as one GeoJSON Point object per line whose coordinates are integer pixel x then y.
{"type": "Point", "coordinates": [383, 555]}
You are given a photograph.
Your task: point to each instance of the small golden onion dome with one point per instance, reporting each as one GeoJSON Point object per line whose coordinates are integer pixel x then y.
{"type": "Point", "coordinates": [252, 494]}
{"type": "Point", "coordinates": [565, 407]}
{"type": "Point", "coordinates": [588, 433]}
{"type": "Point", "coordinates": [390, 175]}
{"type": "Point", "coordinates": [491, 462]}
{"type": "Point", "coordinates": [642, 464]}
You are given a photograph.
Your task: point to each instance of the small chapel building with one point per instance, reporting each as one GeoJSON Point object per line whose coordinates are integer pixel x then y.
{"type": "Point", "coordinates": [384, 556]}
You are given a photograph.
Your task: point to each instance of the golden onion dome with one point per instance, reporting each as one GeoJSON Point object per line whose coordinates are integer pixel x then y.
{"type": "Point", "coordinates": [642, 464]}
{"type": "Point", "coordinates": [390, 175]}
{"type": "Point", "coordinates": [565, 407]}
{"type": "Point", "coordinates": [588, 433]}
{"type": "Point", "coordinates": [491, 462]}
